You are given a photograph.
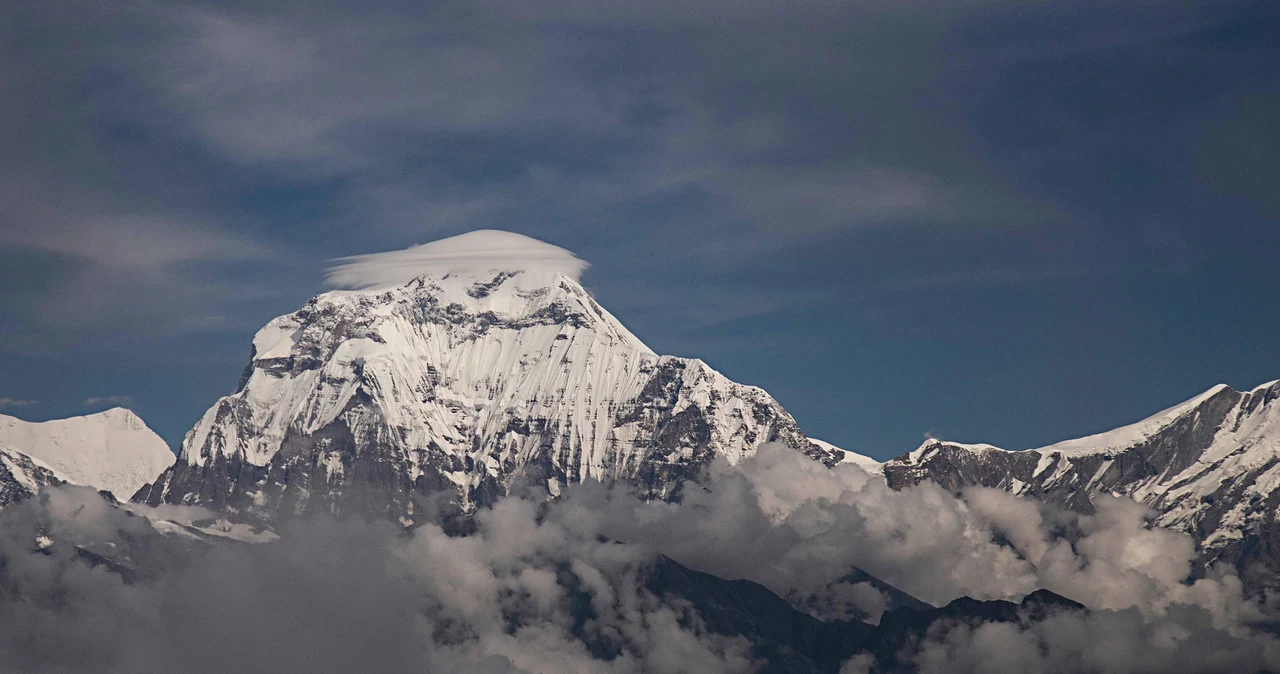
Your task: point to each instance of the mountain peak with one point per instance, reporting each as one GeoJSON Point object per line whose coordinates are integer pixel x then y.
{"type": "Point", "coordinates": [121, 416]}
{"type": "Point", "coordinates": [461, 366]}
{"type": "Point", "coordinates": [112, 449]}
{"type": "Point", "coordinates": [472, 255]}
{"type": "Point", "coordinates": [1127, 436]}
{"type": "Point", "coordinates": [931, 445]}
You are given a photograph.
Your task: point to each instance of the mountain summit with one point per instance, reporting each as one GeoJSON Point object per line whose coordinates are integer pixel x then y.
{"type": "Point", "coordinates": [490, 367]}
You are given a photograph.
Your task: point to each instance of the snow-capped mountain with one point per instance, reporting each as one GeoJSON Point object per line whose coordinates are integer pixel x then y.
{"type": "Point", "coordinates": [466, 366]}
{"type": "Point", "coordinates": [112, 450]}
{"type": "Point", "coordinates": [1209, 466]}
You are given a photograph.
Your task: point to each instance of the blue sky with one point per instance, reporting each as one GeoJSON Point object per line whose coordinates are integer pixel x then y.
{"type": "Point", "coordinates": [978, 220]}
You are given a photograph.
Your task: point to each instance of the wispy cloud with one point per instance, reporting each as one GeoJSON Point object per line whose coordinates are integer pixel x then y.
{"type": "Point", "coordinates": [95, 401]}
{"type": "Point", "coordinates": [17, 402]}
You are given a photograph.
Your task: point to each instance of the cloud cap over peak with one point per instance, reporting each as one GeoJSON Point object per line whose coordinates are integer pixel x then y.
{"type": "Point", "coordinates": [479, 250]}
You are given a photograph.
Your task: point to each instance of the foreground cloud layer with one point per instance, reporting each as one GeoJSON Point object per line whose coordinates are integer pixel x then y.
{"type": "Point", "coordinates": [560, 586]}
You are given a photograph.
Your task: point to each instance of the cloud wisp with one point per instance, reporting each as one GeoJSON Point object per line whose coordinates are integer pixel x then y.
{"type": "Point", "coordinates": [119, 400]}
{"type": "Point", "coordinates": [479, 251]}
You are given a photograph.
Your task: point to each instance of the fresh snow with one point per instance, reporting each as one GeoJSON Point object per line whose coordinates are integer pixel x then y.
{"type": "Point", "coordinates": [933, 445]}
{"type": "Point", "coordinates": [111, 450]}
{"type": "Point", "coordinates": [1133, 434]}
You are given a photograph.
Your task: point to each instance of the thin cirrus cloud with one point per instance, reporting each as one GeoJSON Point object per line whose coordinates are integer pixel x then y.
{"type": "Point", "coordinates": [132, 273]}
{"type": "Point", "coordinates": [294, 89]}
{"type": "Point", "coordinates": [119, 400]}
{"type": "Point", "coordinates": [17, 402]}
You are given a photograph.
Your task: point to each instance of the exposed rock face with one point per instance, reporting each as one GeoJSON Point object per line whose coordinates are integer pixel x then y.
{"type": "Point", "coordinates": [465, 383]}
{"type": "Point", "coordinates": [22, 476]}
{"type": "Point", "coordinates": [1209, 467]}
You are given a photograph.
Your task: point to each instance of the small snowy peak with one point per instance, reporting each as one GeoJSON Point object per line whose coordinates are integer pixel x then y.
{"type": "Point", "coordinates": [1133, 434]}
{"type": "Point", "coordinates": [112, 450]}
{"type": "Point", "coordinates": [474, 254]}
{"type": "Point", "coordinates": [860, 460]}
{"type": "Point", "coordinates": [932, 446]}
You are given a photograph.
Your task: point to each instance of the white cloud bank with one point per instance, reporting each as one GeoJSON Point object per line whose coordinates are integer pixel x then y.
{"type": "Point", "coordinates": [481, 250]}
{"type": "Point", "coordinates": [513, 596]}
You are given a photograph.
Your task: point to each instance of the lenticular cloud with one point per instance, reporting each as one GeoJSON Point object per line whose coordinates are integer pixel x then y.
{"type": "Point", "coordinates": [481, 250]}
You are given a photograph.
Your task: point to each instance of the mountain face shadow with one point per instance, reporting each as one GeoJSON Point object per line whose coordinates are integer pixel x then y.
{"type": "Point", "coordinates": [790, 640]}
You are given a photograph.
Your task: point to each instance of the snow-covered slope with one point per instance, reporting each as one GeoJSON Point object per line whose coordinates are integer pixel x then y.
{"type": "Point", "coordinates": [845, 456]}
{"type": "Point", "coordinates": [478, 374]}
{"type": "Point", "coordinates": [112, 450]}
{"type": "Point", "coordinates": [1209, 467]}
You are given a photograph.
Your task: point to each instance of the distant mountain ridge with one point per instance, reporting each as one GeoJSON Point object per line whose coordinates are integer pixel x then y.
{"type": "Point", "coordinates": [1209, 466]}
{"type": "Point", "coordinates": [112, 450]}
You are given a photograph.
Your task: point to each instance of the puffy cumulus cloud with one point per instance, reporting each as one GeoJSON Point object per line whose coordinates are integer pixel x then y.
{"type": "Point", "coordinates": [1119, 642]}
{"type": "Point", "coordinates": [796, 527]}
{"type": "Point", "coordinates": [333, 597]}
{"type": "Point", "coordinates": [481, 250]}
{"type": "Point", "coordinates": [538, 586]}
{"type": "Point", "coordinates": [799, 528]}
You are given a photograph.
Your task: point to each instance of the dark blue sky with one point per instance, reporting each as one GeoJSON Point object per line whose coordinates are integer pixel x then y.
{"type": "Point", "coordinates": [980, 220]}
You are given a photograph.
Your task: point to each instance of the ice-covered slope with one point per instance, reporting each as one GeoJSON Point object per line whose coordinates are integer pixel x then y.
{"type": "Point", "coordinates": [1209, 467]}
{"type": "Point", "coordinates": [493, 367]}
{"type": "Point", "coordinates": [112, 450]}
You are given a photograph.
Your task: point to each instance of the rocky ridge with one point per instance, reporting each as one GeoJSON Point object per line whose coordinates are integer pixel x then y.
{"type": "Point", "coordinates": [1209, 467]}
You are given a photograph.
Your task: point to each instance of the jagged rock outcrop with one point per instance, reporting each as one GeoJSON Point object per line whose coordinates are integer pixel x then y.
{"type": "Point", "coordinates": [22, 476]}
